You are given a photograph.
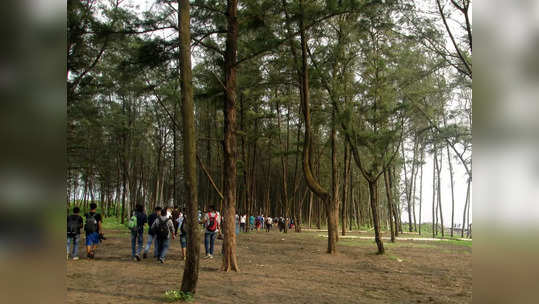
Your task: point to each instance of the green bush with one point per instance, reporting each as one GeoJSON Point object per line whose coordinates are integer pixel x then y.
{"type": "Point", "coordinates": [178, 295]}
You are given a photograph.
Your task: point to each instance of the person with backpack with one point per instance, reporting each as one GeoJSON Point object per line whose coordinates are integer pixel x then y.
{"type": "Point", "coordinates": [163, 229]}
{"type": "Point", "coordinates": [151, 235]}
{"type": "Point", "coordinates": [281, 224]}
{"type": "Point", "coordinates": [93, 230]}
{"type": "Point", "coordinates": [175, 216]}
{"type": "Point", "coordinates": [136, 225]}
{"type": "Point", "coordinates": [183, 234]}
{"type": "Point", "coordinates": [74, 224]}
{"type": "Point", "coordinates": [212, 223]}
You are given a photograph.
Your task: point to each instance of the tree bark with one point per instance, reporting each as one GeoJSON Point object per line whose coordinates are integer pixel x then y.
{"type": "Point", "coordinates": [434, 195]}
{"type": "Point", "coordinates": [452, 190]}
{"type": "Point", "coordinates": [439, 169]}
{"type": "Point", "coordinates": [346, 174]}
{"type": "Point", "coordinates": [389, 204]}
{"type": "Point", "coordinates": [190, 273]}
{"type": "Point", "coordinates": [373, 188]}
{"type": "Point", "coordinates": [230, 156]}
{"type": "Point", "coordinates": [421, 189]}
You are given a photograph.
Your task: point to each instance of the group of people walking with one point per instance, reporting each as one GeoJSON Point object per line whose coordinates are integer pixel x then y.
{"type": "Point", "coordinates": [164, 225]}
{"type": "Point", "coordinates": [261, 222]}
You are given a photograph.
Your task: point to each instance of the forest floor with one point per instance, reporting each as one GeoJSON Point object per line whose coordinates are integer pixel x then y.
{"type": "Point", "coordinates": [282, 268]}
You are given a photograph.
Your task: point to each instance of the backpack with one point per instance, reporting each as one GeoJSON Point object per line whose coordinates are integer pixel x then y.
{"type": "Point", "coordinates": [162, 229]}
{"type": "Point", "coordinates": [212, 225]}
{"type": "Point", "coordinates": [73, 226]}
{"type": "Point", "coordinates": [132, 223]}
{"type": "Point", "coordinates": [91, 223]}
{"type": "Point", "coordinates": [182, 229]}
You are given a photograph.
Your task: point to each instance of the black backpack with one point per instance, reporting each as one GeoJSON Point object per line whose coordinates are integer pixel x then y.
{"type": "Point", "coordinates": [73, 226]}
{"type": "Point", "coordinates": [182, 229]}
{"type": "Point", "coordinates": [162, 229]}
{"type": "Point", "coordinates": [91, 223]}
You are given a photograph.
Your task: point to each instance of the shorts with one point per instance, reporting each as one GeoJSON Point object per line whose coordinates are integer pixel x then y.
{"type": "Point", "coordinates": [183, 240]}
{"type": "Point", "coordinates": [92, 239]}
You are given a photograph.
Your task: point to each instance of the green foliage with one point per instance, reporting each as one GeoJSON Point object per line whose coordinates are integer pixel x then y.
{"type": "Point", "coordinates": [177, 296]}
{"type": "Point", "coordinates": [112, 223]}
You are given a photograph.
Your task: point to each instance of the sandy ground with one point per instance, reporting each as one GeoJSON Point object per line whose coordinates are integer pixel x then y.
{"type": "Point", "coordinates": [282, 268]}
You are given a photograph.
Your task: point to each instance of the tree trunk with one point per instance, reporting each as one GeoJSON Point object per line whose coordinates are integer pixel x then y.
{"type": "Point", "coordinates": [434, 195]}
{"type": "Point", "coordinates": [452, 190]}
{"type": "Point", "coordinates": [307, 145]}
{"type": "Point", "coordinates": [439, 169]}
{"type": "Point", "coordinates": [346, 174]}
{"type": "Point", "coordinates": [190, 273]}
{"type": "Point", "coordinates": [373, 188]}
{"type": "Point", "coordinates": [407, 192]}
{"type": "Point", "coordinates": [389, 204]}
{"type": "Point", "coordinates": [310, 206]}
{"type": "Point", "coordinates": [421, 189]}
{"type": "Point", "coordinates": [393, 204]}
{"type": "Point", "coordinates": [334, 203]}
{"type": "Point", "coordinates": [230, 156]}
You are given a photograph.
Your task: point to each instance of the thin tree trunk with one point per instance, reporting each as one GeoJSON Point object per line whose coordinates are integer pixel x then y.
{"type": "Point", "coordinates": [452, 190]}
{"type": "Point", "coordinates": [310, 206]}
{"type": "Point", "coordinates": [439, 169]}
{"type": "Point", "coordinates": [434, 195]}
{"type": "Point", "coordinates": [421, 189]}
{"type": "Point", "coordinates": [406, 186]}
{"type": "Point", "coordinates": [373, 188]}
{"type": "Point", "coordinates": [389, 204]}
{"type": "Point", "coordinates": [190, 273]}
{"type": "Point", "coordinates": [230, 156]}
{"type": "Point", "coordinates": [346, 174]}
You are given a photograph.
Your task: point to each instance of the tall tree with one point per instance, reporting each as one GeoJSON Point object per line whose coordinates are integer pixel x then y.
{"type": "Point", "coordinates": [190, 273]}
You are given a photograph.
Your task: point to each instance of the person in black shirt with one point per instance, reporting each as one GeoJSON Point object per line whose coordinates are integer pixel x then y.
{"type": "Point", "coordinates": [74, 224]}
{"type": "Point", "coordinates": [138, 232]}
{"type": "Point", "coordinates": [151, 235]}
{"type": "Point", "coordinates": [93, 230]}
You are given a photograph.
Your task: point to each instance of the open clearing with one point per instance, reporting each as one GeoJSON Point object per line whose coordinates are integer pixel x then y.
{"type": "Point", "coordinates": [281, 268]}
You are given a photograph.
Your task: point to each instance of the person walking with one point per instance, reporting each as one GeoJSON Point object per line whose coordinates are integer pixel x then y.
{"type": "Point", "coordinates": [136, 225]}
{"type": "Point", "coordinates": [243, 221]}
{"type": "Point", "coordinates": [74, 224]}
{"type": "Point", "coordinates": [93, 230]}
{"type": "Point", "coordinates": [151, 234]}
{"type": "Point", "coordinates": [183, 235]}
{"type": "Point", "coordinates": [252, 222]}
{"type": "Point", "coordinates": [269, 222]}
{"type": "Point", "coordinates": [164, 231]}
{"type": "Point", "coordinates": [212, 223]}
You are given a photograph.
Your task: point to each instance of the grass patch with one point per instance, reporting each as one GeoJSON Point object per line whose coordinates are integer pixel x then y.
{"type": "Point", "coordinates": [459, 243]}
{"type": "Point", "coordinates": [178, 296]}
{"type": "Point", "coordinates": [113, 223]}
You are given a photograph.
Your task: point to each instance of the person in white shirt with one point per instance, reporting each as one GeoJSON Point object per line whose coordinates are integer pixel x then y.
{"type": "Point", "coordinates": [243, 220]}
{"type": "Point", "coordinates": [269, 223]}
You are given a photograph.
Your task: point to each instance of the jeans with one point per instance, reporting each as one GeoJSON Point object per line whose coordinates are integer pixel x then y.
{"type": "Point", "coordinates": [151, 239]}
{"type": "Point", "coordinates": [73, 241]}
{"type": "Point", "coordinates": [209, 241]}
{"type": "Point", "coordinates": [162, 248]}
{"type": "Point", "coordinates": [136, 239]}
{"type": "Point", "coordinates": [183, 240]}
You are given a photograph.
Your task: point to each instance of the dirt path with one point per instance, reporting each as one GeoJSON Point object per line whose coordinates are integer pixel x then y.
{"type": "Point", "coordinates": [282, 268]}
